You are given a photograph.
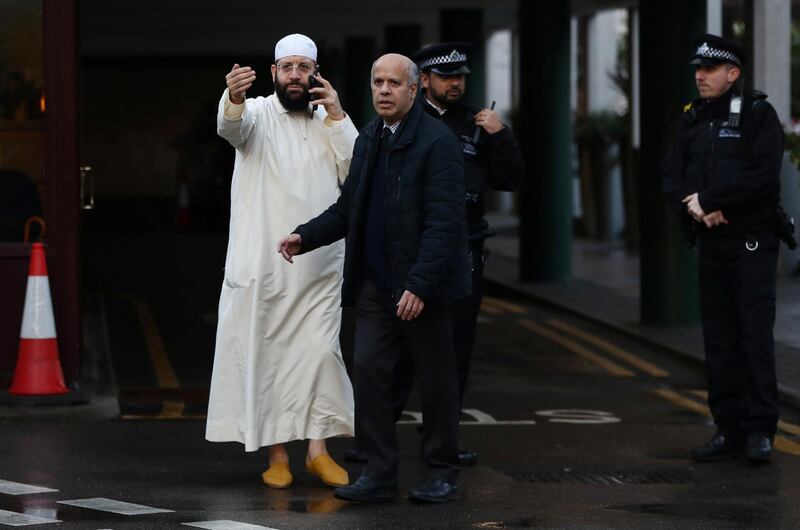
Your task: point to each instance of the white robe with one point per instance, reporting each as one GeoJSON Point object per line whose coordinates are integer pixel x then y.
{"type": "Point", "coordinates": [278, 370]}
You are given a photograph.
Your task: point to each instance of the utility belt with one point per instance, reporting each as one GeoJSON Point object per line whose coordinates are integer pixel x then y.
{"type": "Point", "coordinates": [781, 224]}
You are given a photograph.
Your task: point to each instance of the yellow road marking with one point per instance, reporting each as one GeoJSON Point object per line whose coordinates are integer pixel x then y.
{"type": "Point", "coordinates": [782, 443]}
{"type": "Point", "coordinates": [165, 375]}
{"type": "Point", "coordinates": [785, 426]}
{"type": "Point", "coordinates": [578, 349]}
{"type": "Point", "coordinates": [507, 306]}
{"type": "Point", "coordinates": [786, 445]}
{"type": "Point", "coordinates": [490, 309]}
{"type": "Point", "coordinates": [162, 417]}
{"type": "Point", "coordinates": [159, 359]}
{"type": "Point", "coordinates": [609, 348]}
{"type": "Point", "coordinates": [676, 398]}
{"type": "Point", "coordinates": [791, 428]}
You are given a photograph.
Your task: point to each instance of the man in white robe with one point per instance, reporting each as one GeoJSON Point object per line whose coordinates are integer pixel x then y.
{"type": "Point", "coordinates": [278, 371]}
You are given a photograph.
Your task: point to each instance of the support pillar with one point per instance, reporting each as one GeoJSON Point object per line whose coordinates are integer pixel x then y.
{"type": "Point", "coordinates": [771, 61]}
{"type": "Point", "coordinates": [545, 134]}
{"type": "Point", "coordinates": [667, 266]}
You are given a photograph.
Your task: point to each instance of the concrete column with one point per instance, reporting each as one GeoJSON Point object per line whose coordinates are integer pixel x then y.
{"type": "Point", "coordinates": [546, 139]}
{"type": "Point", "coordinates": [499, 61]}
{"type": "Point", "coordinates": [668, 270]}
{"type": "Point", "coordinates": [636, 97]}
{"type": "Point", "coordinates": [772, 53]}
{"type": "Point", "coordinates": [602, 50]}
{"type": "Point", "coordinates": [714, 17]}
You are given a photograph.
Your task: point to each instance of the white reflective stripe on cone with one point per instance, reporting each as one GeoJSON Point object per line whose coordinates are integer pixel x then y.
{"type": "Point", "coordinates": [37, 320]}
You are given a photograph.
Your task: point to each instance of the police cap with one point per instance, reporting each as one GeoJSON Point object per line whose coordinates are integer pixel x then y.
{"type": "Point", "coordinates": [712, 50]}
{"type": "Point", "coordinates": [444, 58]}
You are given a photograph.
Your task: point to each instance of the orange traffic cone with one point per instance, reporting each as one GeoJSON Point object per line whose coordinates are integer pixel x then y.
{"type": "Point", "coordinates": [38, 369]}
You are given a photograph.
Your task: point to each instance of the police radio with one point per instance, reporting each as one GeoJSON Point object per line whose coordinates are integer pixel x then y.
{"type": "Point", "coordinates": [735, 111]}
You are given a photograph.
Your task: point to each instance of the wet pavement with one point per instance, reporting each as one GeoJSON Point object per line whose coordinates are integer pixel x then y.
{"type": "Point", "coordinates": [577, 426]}
{"type": "Point", "coordinates": [604, 288]}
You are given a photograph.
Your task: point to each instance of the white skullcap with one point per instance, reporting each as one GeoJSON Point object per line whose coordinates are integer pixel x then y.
{"type": "Point", "coordinates": [296, 44]}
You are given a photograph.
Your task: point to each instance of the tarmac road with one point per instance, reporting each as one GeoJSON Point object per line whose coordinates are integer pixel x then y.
{"type": "Point", "coordinates": [576, 427]}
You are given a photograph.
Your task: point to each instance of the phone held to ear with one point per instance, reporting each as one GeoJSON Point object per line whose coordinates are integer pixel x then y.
{"type": "Point", "coordinates": [313, 83]}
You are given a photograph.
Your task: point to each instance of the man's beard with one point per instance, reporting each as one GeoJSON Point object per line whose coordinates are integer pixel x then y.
{"type": "Point", "coordinates": [442, 98]}
{"type": "Point", "coordinates": [292, 102]}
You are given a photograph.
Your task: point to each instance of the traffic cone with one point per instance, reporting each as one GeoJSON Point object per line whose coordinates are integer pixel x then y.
{"type": "Point", "coordinates": [38, 369]}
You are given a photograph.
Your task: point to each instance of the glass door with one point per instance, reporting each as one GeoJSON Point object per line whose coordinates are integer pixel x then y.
{"type": "Point", "coordinates": [39, 182]}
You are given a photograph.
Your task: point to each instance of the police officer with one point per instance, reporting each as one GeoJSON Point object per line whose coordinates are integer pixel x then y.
{"type": "Point", "coordinates": [492, 161]}
{"type": "Point", "coordinates": [721, 175]}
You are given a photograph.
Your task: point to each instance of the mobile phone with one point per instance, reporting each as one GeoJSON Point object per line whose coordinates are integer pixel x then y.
{"type": "Point", "coordinates": [313, 83]}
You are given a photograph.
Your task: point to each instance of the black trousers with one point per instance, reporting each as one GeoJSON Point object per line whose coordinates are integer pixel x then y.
{"type": "Point", "coordinates": [466, 319]}
{"type": "Point", "coordinates": [737, 304]}
{"type": "Point", "coordinates": [382, 343]}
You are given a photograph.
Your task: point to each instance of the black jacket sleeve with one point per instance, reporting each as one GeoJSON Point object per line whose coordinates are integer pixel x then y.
{"type": "Point", "coordinates": [444, 216]}
{"type": "Point", "coordinates": [506, 167]}
{"type": "Point", "coordinates": [761, 170]}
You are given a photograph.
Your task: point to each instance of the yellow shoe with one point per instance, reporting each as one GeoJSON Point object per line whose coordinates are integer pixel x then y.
{"type": "Point", "coordinates": [278, 475]}
{"type": "Point", "coordinates": [331, 473]}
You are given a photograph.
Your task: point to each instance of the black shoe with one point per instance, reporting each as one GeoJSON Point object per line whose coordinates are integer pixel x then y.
{"type": "Point", "coordinates": [721, 446]}
{"type": "Point", "coordinates": [759, 448]}
{"type": "Point", "coordinates": [467, 458]}
{"type": "Point", "coordinates": [434, 491]}
{"type": "Point", "coordinates": [367, 489]}
{"type": "Point", "coordinates": [355, 455]}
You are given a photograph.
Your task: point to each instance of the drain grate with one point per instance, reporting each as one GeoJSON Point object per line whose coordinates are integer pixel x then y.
{"type": "Point", "coordinates": [616, 478]}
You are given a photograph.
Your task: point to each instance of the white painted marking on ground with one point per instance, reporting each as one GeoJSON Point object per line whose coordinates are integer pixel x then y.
{"type": "Point", "coordinates": [414, 414]}
{"type": "Point", "coordinates": [110, 505]}
{"type": "Point", "coordinates": [21, 519]}
{"type": "Point", "coordinates": [227, 525]}
{"type": "Point", "coordinates": [15, 488]}
{"type": "Point", "coordinates": [480, 416]}
{"type": "Point", "coordinates": [574, 416]}
{"type": "Point", "coordinates": [482, 424]}
{"type": "Point", "coordinates": [578, 416]}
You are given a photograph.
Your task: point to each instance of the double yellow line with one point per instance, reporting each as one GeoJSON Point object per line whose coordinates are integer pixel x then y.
{"type": "Point", "coordinates": [581, 343]}
{"type": "Point", "coordinates": [695, 400]}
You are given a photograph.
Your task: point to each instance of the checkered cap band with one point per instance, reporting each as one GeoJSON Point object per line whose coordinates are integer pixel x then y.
{"type": "Point", "coordinates": [453, 57]}
{"type": "Point", "coordinates": [706, 51]}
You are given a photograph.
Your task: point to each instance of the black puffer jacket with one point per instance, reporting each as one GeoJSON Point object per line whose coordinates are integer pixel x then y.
{"type": "Point", "coordinates": [424, 209]}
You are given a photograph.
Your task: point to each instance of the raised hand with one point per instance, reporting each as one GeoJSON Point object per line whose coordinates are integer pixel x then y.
{"type": "Point", "coordinates": [489, 120]}
{"type": "Point", "coordinates": [239, 79]}
{"type": "Point", "coordinates": [328, 98]}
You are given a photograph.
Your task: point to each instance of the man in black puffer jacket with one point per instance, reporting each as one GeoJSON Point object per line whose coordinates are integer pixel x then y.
{"type": "Point", "coordinates": [402, 211]}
